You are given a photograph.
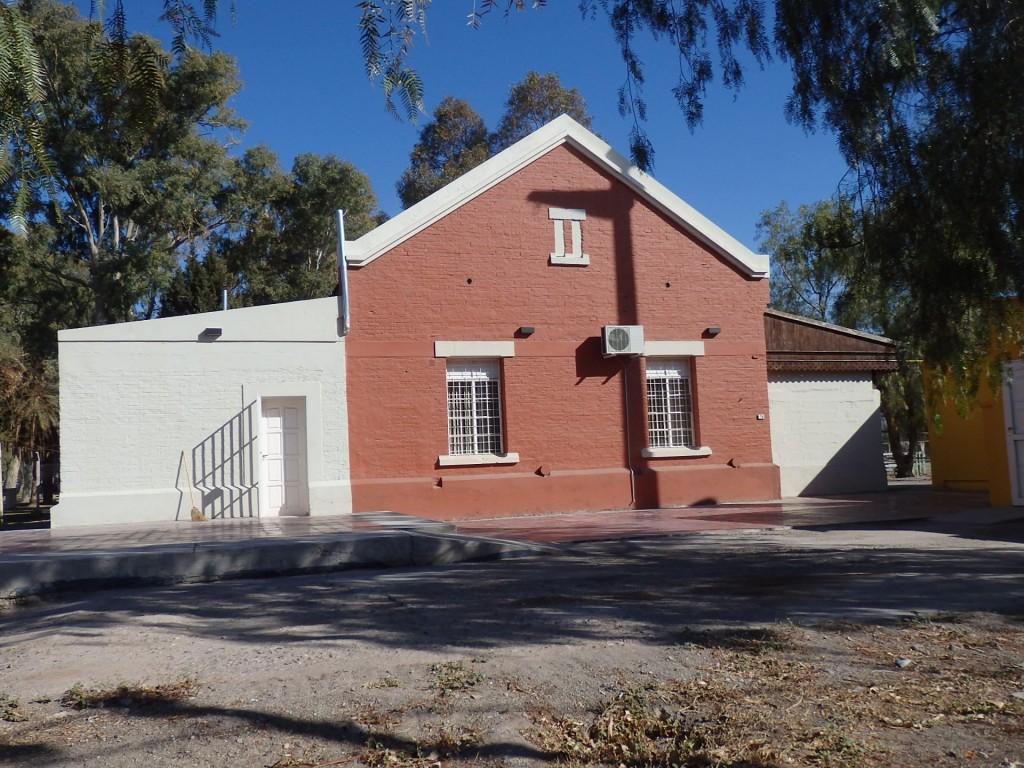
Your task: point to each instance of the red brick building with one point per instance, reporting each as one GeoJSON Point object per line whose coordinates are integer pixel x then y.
{"type": "Point", "coordinates": [479, 376]}
{"type": "Point", "coordinates": [553, 331]}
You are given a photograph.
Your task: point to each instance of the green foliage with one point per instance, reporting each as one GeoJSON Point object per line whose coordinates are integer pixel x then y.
{"type": "Point", "coordinates": [821, 269]}
{"type": "Point", "coordinates": [196, 286]}
{"type": "Point", "coordinates": [29, 407]}
{"type": "Point", "coordinates": [533, 102]}
{"type": "Point", "coordinates": [284, 247]}
{"type": "Point", "coordinates": [813, 252]}
{"type": "Point", "coordinates": [22, 159]}
{"type": "Point", "coordinates": [924, 99]}
{"type": "Point", "coordinates": [451, 676]}
{"type": "Point", "coordinates": [454, 142]}
{"type": "Point", "coordinates": [387, 29]}
{"type": "Point", "coordinates": [186, 21]}
{"type": "Point", "coordinates": [140, 174]}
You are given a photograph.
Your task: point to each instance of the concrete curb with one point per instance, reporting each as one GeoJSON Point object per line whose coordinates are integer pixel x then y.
{"type": "Point", "coordinates": [46, 573]}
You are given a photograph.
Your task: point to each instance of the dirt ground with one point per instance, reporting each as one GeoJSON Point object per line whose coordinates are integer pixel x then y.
{"type": "Point", "coordinates": [852, 647]}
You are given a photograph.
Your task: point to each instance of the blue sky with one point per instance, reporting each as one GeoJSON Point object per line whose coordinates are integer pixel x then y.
{"type": "Point", "coordinates": [305, 91]}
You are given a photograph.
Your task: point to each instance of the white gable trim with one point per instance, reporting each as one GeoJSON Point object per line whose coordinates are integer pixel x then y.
{"type": "Point", "coordinates": [561, 130]}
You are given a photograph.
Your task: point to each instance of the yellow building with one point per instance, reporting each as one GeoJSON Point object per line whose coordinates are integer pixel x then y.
{"type": "Point", "coordinates": [970, 452]}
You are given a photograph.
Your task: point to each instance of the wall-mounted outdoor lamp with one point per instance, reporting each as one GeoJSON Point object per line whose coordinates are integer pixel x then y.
{"type": "Point", "coordinates": [712, 331]}
{"type": "Point", "coordinates": [526, 330]}
{"type": "Point", "coordinates": [209, 334]}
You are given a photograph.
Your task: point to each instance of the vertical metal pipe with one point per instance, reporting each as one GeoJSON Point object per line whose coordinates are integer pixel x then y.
{"type": "Point", "coordinates": [224, 299]}
{"type": "Point", "coordinates": [343, 306]}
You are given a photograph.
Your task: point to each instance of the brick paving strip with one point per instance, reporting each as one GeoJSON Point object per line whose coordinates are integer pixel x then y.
{"type": "Point", "coordinates": [35, 561]}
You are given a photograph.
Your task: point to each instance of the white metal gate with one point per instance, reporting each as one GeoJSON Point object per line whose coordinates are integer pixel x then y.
{"type": "Point", "coordinates": [1013, 410]}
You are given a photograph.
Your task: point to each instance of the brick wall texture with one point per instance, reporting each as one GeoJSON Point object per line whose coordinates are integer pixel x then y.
{"type": "Point", "coordinates": [576, 419]}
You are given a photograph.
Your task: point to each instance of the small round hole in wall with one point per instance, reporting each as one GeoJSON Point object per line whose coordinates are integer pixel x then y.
{"type": "Point", "coordinates": [668, 285]}
{"type": "Point", "coordinates": [469, 281]}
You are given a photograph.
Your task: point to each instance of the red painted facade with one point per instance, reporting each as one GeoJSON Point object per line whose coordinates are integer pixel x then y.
{"type": "Point", "coordinates": [576, 419]}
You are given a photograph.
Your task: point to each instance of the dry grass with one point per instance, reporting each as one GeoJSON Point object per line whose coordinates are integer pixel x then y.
{"type": "Point", "coordinates": [442, 743]}
{"type": "Point", "coordinates": [766, 699]}
{"type": "Point", "coordinates": [127, 695]}
{"type": "Point", "coordinates": [926, 693]}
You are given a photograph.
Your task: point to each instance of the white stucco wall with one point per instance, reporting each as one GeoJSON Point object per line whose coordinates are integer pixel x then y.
{"type": "Point", "coordinates": [141, 400]}
{"type": "Point", "coordinates": [826, 433]}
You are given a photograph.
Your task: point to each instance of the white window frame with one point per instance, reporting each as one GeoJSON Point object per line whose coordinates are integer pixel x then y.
{"type": "Point", "coordinates": [575, 218]}
{"type": "Point", "coordinates": [673, 414]}
{"type": "Point", "coordinates": [484, 377]}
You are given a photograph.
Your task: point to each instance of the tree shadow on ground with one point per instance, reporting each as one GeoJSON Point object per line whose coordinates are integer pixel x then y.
{"type": "Point", "coordinates": [649, 589]}
{"type": "Point", "coordinates": [344, 734]}
{"type": "Point", "coordinates": [371, 746]}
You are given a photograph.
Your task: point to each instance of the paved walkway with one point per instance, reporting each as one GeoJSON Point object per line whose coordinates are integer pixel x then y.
{"type": "Point", "coordinates": [33, 561]}
{"type": "Point", "coordinates": [911, 502]}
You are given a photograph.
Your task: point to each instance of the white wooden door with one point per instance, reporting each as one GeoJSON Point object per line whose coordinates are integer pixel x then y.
{"type": "Point", "coordinates": [1013, 410]}
{"type": "Point", "coordinates": [284, 456]}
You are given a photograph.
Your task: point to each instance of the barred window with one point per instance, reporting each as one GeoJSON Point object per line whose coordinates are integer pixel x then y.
{"type": "Point", "coordinates": [669, 404]}
{"type": "Point", "coordinates": [474, 407]}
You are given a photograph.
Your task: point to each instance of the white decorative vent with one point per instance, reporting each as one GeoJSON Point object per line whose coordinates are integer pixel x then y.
{"type": "Point", "coordinates": [622, 340]}
{"type": "Point", "coordinates": [571, 255]}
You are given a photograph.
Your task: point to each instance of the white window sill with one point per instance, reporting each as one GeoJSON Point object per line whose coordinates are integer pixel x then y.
{"type": "Point", "coordinates": [570, 261]}
{"type": "Point", "coordinates": [675, 453]}
{"type": "Point", "coordinates": [472, 459]}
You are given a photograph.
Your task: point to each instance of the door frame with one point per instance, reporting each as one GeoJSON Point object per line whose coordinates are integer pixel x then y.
{"type": "Point", "coordinates": [303, 510]}
{"type": "Point", "coordinates": [254, 394]}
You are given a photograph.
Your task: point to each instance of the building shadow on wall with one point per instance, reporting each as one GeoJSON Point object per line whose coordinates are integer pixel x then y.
{"type": "Point", "coordinates": [224, 469]}
{"type": "Point", "coordinates": [856, 467]}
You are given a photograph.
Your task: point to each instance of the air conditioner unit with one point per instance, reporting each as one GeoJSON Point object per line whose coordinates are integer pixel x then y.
{"type": "Point", "coordinates": [622, 340]}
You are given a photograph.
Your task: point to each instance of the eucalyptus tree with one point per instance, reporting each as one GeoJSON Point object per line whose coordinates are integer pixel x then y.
{"type": "Point", "coordinates": [283, 246]}
{"type": "Point", "coordinates": [453, 142]}
{"type": "Point", "coordinates": [28, 410]}
{"type": "Point", "coordinates": [820, 269]}
{"type": "Point", "coordinates": [533, 101]}
{"type": "Point", "coordinates": [286, 247]}
{"type": "Point", "coordinates": [812, 252]}
{"type": "Point", "coordinates": [139, 170]}
{"type": "Point", "coordinates": [296, 248]}
{"type": "Point", "coordinates": [457, 140]}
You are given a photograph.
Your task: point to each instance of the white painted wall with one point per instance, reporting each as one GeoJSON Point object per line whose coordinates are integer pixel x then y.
{"type": "Point", "coordinates": [135, 396]}
{"type": "Point", "coordinates": [826, 433]}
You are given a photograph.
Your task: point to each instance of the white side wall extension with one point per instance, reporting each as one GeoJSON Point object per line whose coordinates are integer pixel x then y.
{"type": "Point", "coordinates": [147, 406]}
{"type": "Point", "coordinates": [826, 433]}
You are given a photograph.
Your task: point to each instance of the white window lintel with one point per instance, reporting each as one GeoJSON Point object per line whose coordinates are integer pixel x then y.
{"type": "Point", "coordinates": [567, 214]}
{"type": "Point", "coordinates": [474, 349]}
{"type": "Point", "coordinates": [673, 348]}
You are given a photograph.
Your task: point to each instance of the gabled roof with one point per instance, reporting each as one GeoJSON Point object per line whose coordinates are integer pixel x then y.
{"type": "Point", "coordinates": [796, 343]}
{"type": "Point", "coordinates": [561, 130]}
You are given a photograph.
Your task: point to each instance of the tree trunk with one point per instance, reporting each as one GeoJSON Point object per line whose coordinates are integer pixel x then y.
{"type": "Point", "coordinates": [904, 459]}
{"type": "Point", "coordinates": [33, 488]}
{"type": "Point", "coordinates": [12, 471]}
